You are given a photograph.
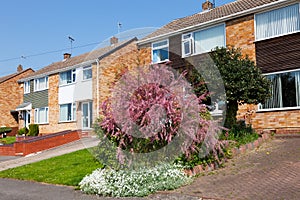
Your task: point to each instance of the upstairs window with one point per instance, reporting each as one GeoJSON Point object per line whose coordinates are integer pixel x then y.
{"type": "Point", "coordinates": [277, 22]}
{"type": "Point", "coordinates": [41, 83]}
{"type": "Point", "coordinates": [203, 41]}
{"type": "Point", "coordinates": [87, 73]}
{"type": "Point", "coordinates": [160, 51]}
{"type": "Point", "coordinates": [26, 87]}
{"type": "Point", "coordinates": [67, 77]}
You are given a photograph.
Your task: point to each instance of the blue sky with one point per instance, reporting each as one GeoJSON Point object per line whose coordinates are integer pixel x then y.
{"type": "Point", "coordinates": [33, 27]}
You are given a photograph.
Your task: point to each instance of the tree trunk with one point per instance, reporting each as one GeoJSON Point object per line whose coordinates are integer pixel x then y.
{"type": "Point", "coordinates": [231, 112]}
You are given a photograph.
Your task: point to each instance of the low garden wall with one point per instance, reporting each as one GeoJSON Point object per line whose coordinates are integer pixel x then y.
{"type": "Point", "coordinates": [39, 143]}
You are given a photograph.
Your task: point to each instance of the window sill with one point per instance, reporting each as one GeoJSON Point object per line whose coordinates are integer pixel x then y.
{"type": "Point", "coordinates": [40, 90]}
{"type": "Point", "coordinates": [64, 122]}
{"type": "Point", "coordinates": [277, 109]}
{"type": "Point", "coordinates": [46, 123]}
{"type": "Point", "coordinates": [277, 36]}
{"type": "Point", "coordinates": [160, 62]}
{"type": "Point", "coordinates": [68, 84]}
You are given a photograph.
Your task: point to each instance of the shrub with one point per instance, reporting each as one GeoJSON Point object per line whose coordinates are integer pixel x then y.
{"type": "Point", "coordinates": [23, 131]}
{"type": "Point", "coordinates": [149, 110]}
{"type": "Point", "coordinates": [33, 130]}
{"type": "Point", "coordinates": [5, 130]}
{"type": "Point", "coordinates": [129, 183]}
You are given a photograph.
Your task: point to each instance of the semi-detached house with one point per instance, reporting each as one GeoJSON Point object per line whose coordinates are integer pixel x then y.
{"type": "Point", "coordinates": [65, 95]}
{"type": "Point", "coordinates": [266, 30]}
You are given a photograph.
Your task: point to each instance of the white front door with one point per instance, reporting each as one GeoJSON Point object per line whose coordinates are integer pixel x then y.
{"type": "Point", "coordinates": [87, 115]}
{"type": "Point", "coordinates": [26, 116]}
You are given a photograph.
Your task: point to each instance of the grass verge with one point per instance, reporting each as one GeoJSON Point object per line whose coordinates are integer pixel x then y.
{"type": "Point", "coordinates": [68, 169]}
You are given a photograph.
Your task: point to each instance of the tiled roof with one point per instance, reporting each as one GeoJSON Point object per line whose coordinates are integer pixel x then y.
{"type": "Point", "coordinates": [207, 16]}
{"type": "Point", "coordinates": [88, 58]}
{"type": "Point", "coordinates": [5, 78]}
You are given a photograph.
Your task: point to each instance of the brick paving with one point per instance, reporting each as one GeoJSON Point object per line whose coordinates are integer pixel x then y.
{"type": "Point", "coordinates": [270, 172]}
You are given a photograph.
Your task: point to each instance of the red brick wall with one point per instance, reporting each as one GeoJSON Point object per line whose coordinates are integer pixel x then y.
{"type": "Point", "coordinates": [40, 143]}
{"type": "Point", "coordinates": [11, 95]}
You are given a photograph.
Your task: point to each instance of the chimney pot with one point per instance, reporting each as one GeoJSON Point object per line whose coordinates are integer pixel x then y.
{"type": "Point", "coordinates": [207, 5]}
{"type": "Point", "coordinates": [114, 40]}
{"type": "Point", "coordinates": [20, 68]}
{"type": "Point", "coordinates": [67, 55]}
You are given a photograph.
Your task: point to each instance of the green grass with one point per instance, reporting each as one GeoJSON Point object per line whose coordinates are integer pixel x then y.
{"type": "Point", "coordinates": [8, 140]}
{"type": "Point", "coordinates": [68, 169]}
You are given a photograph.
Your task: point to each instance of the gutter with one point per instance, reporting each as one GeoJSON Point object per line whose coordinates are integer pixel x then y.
{"type": "Point", "coordinates": [262, 8]}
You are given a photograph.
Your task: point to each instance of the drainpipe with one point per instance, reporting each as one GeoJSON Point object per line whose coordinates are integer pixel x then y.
{"type": "Point", "coordinates": [97, 86]}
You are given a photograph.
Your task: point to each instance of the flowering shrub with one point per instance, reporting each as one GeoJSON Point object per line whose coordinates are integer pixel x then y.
{"type": "Point", "coordinates": [126, 183]}
{"type": "Point", "coordinates": [154, 110]}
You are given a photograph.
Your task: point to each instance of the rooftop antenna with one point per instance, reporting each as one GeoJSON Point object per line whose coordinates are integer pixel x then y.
{"type": "Point", "coordinates": [71, 41]}
{"type": "Point", "coordinates": [119, 26]}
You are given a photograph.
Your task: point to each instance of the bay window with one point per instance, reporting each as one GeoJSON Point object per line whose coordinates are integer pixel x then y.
{"type": "Point", "coordinates": [67, 112]}
{"type": "Point", "coordinates": [277, 22]}
{"type": "Point", "coordinates": [285, 91]}
{"type": "Point", "coordinates": [41, 115]}
{"type": "Point", "coordinates": [67, 77]}
{"type": "Point", "coordinates": [203, 41]}
{"type": "Point", "coordinates": [160, 51]}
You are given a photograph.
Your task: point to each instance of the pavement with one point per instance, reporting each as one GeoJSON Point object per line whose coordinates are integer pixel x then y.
{"type": "Point", "coordinates": [271, 171]}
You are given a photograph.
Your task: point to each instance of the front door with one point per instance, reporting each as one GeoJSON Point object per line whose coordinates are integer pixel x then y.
{"type": "Point", "coordinates": [26, 116]}
{"type": "Point", "coordinates": [87, 115]}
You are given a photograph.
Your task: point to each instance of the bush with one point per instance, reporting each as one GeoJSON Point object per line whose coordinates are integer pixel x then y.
{"type": "Point", "coordinates": [23, 131]}
{"type": "Point", "coordinates": [5, 130]}
{"type": "Point", "coordinates": [129, 183]}
{"type": "Point", "coordinates": [33, 130]}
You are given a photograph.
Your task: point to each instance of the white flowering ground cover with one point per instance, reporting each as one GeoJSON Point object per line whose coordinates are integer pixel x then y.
{"type": "Point", "coordinates": [129, 183]}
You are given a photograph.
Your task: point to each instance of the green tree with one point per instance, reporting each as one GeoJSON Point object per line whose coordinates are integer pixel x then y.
{"type": "Point", "coordinates": [243, 81]}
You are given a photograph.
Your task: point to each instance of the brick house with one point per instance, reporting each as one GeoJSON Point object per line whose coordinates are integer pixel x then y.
{"type": "Point", "coordinates": [266, 30]}
{"type": "Point", "coordinates": [10, 97]}
{"type": "Point", "coordinates": [66, 95]}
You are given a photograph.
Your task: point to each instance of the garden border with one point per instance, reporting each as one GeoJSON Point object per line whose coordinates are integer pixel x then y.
{"type": "Point", "coordinates": [235, 152]}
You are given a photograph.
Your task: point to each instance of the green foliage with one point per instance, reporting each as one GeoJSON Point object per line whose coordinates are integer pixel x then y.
{"type": "Point", "coordinates": [243, 81]}
{"type": "Point", "coordinates": [241, 133]}
{"type": "Point", "coordinates": [33, 130]}
{"type": "Point", "coordinates": [130, 183]}
{"type": "Point", "coordinates": [68, 169]}
{"type": "Point", "coordinates": [8, 140]}
{"type": "Point", "coordinates": [5, 130]}
{"type": "Point", "coordinates": [23, 131]}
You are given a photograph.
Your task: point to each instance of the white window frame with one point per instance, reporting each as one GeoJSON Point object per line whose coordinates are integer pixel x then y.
{"type": "Point", "coordinates": [73, 77]}
{"type": "Point", "coordinates": [280, 35]}
{"type": "Point", "coordinates": [87, 68]}
{"type": "Point", "coordinates": [37, 115]}
{"type": "Point", "coordinates": [192, 40]}
{"type": "Point", "coordinates": [160, 47]}
{"type": "Point", "coordinates": [26, 87]}
{"type": "Point", "coordinates": [73, 113]}
{"type": "Point", "coordinates": [260, 109]}
{"type": "Point", "coordinates": [187, 39]}
{"type": "Point", "coordinates": [37, 86]}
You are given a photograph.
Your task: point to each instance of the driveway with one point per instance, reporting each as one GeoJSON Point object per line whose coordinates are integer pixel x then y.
{"type": "Point", "coordinates": [269, 172]}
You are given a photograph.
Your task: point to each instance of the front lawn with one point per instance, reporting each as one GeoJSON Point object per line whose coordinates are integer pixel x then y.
{"type": "Point", "coordinates": [67, 169]}
{"type": "Point", "coordinates": [8, 140]}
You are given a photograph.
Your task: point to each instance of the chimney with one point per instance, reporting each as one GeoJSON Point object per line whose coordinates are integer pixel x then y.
{"type": "Point", "coordinates": [114, 40]}
{"type": "Point", "coordinates": [20, 68]}
{"type": "Point", "coordinates": [207, 5]}
{"type": "Point", "coordinates": [67, 55]}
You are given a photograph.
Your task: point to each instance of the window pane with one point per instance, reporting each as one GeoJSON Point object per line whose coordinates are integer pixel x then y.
{"type": "Point", "coordinates": [208, 39]}
{"type": "Point", "coordinates": [63, 113]}
{"type": "Point", "coordinates": [87, 73]}
{"type": "Point", "coordinates": [159, 44]}
{"type": "Point", "coordinates": [277, 22]}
